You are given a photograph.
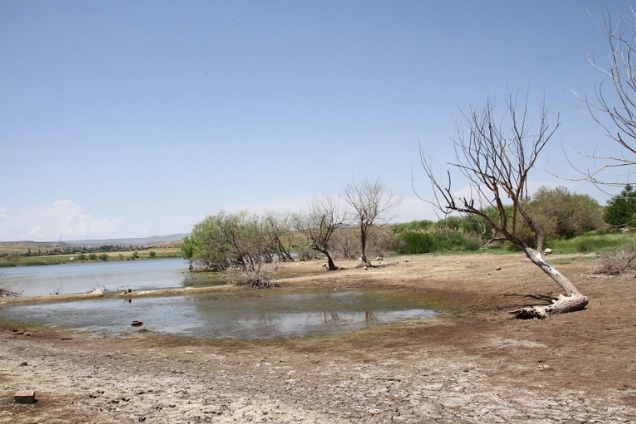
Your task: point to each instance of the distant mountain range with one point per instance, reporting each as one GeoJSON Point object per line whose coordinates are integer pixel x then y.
{"type": "Point", "coordinates": [120, 241]}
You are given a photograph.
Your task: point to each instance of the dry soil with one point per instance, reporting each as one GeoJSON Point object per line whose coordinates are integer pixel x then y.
{"type": "Point", "coordinates": [472, 364]}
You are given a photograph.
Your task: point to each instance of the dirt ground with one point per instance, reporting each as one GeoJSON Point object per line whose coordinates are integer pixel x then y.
{"type": "Point", "coordinates": [473, 364]}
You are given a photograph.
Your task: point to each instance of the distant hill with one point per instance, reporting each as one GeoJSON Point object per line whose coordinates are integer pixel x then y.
{"type": "Point", "coordinates": [120, 241]}
{"type": "Point", "coordinates": [134, 241]}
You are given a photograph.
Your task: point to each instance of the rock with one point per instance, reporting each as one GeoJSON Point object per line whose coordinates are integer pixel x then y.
{"type": "Point", "coordinates": [548, 251]}
{"type": "Point", "coordinates": [24, 396]}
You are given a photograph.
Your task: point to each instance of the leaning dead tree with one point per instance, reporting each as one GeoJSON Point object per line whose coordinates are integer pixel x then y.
{"type": "Point", "coordinates": [614, 106]}
{"type": "Point", "coordinates": [495, 153]}
{"type": "Point", "coordinates": [372, 203]}
{"type": "Point", "coordinates": [318, 226]}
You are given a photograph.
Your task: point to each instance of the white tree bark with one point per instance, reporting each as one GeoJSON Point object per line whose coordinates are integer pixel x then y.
{"type": "Point", "coordinates": [571, 302]}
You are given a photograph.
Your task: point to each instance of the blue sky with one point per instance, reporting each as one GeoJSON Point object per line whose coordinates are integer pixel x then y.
{"type": "Point", "coordinates": [132, 119]}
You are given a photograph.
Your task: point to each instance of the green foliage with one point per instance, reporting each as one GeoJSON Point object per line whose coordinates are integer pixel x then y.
{"type": "Point", "coordinates": [188, 248]}
{"type": "Point", "coordinates": [237, 237]}
{"type": "Point", "coordinates": [436, 242]}
{"type": "Point", "coordinates": [134, 255]}
{"type": "Point", "coordinates": [561, 214]}
{"type": "Point", "coordinates": [152, 254]}
{"type": "Point", "coordinates": [589, 245]}
{"type": "Point", "coordinates": [81, 257]}
{"type": "Point", "coordinates": [13, 258]}
{"type": "Point", "coordinates": [412, 226]}
{"type": "Point", "coordinates": [92, 256]}
{"type": "Point", "coordinates": [450, 223]}
{"type": "Point", "coordinates": [596, 241]}
{"type": "Point", "coordinates": [415, 243]}
{"type": "Point", "coordinates": [103, 257]}
{"type": "Point", "coordinates": [621, 209]}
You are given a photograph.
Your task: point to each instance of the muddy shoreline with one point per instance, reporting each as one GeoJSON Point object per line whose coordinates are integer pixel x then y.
{"type": "Point", "coordinates": [472, 364]}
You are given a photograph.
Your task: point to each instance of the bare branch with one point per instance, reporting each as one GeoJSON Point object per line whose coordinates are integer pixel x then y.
{"type": "Point", "coordinates": [495, 152]}
{"type": "Point", "coordinates": [372, 203]}
{"type": "Point", "coordinates": [318, 226]}
{"type": "Point", "coordinates": [614, 106]}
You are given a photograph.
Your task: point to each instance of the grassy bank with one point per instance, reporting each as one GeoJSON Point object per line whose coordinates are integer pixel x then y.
{"type": "Point", "coordinates": [112, 256]}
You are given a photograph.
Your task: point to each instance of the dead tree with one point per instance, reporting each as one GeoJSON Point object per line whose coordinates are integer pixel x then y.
{"type": "Point", "coordinates": [614, 108]}
{"type": "Point", "coordinates": [6, 291]}
{"type": "Point", "coordinates": [372, 203]}
{"type": "Point", "coordinates": [495, 154]}
{"type": "Point", "coordinates": [324, 218]}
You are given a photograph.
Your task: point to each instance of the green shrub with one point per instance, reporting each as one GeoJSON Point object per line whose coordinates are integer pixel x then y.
{"type": "Point", "coordinates": [415, 243]}
{"type": "Point", "coordinates": [586, 245]}
{"type": "Point", "coordinates": [92, 256]}
{"type": "Point", "coordinates": [103, 257]}
{"type": "Point", "coordinates": [152, 254]}
{"type": "Point", "coordinates": [81, 257]}
{"type": "Point", "coordinates": [412, 226]}
{"type": "Point", "coordinates": [436, 242]}
{"type": "Point", "coordinates": [621, 209]}
{"type": "Point", "coordinates": [13, 258]}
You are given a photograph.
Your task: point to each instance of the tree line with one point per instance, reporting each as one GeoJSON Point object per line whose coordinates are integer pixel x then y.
{"type": "Point", "coordinates": [496, 147]}
{"type": "Point", "coordinates": [246, 241]}
{"type": "Point", "coordinates": [333, 228]}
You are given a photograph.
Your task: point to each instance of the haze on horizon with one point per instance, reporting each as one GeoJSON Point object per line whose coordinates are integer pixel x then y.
{"type": "Point", "coordinates": [131, 119]}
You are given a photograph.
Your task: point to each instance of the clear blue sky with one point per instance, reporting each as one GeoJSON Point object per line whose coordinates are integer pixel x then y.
{"type": "Point", "coordinates": [132, 119]}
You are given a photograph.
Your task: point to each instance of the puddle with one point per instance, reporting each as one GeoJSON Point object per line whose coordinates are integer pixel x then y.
{"type": "Point", "coordinates": [238, 315]}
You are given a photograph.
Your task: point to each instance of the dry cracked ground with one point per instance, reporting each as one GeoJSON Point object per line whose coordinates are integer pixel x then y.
{"type": "Point", "coordinates": [472, 364]}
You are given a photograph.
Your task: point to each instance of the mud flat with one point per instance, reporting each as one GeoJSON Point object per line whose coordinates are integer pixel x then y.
{"type": "Point", "coordinates": [472, 364]}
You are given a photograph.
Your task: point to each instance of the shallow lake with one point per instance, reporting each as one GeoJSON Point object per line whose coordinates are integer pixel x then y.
{"type": "Point", "coordinates": [242, 315]}
{"type": "Point", "coordinates": [112, 276]}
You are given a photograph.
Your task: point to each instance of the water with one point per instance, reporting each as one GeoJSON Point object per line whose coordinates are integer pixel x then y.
{"type": "Point", "coordinates": [241, 315]}
{"type": "Point", "coordinates": [83, 278]}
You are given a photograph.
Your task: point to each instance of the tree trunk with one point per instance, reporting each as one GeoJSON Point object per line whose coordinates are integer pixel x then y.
{"type": "Point", "coordinates": [332, 266]}
{"type": "Point", "coordinates": [571, 302]}
{"type": "Point", "coordinates": [363, 245]}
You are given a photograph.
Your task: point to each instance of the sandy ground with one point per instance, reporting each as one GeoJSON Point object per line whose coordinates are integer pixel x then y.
{"type": "Point", "coordinates": [473, 364]}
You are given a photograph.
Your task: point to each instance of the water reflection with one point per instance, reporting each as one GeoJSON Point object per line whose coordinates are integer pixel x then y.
{"type": "Point", "coordinates": [108, 276]}
{"type": "Point", "coordinates": [262, 314]}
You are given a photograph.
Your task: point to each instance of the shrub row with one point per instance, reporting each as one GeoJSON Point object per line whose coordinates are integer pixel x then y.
{"type": "Point", "coordinates": [436, 242]}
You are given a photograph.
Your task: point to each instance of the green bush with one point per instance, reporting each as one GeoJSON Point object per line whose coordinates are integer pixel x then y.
{"type": "Point", "coordinates": [597, 241]}
{"type": "Point", "coordinates": [586, 245]}
{"type": "Point", "coordinates": [415, 243]}
{"type": "Point", "coordinates": [412, 226]}
{"type": "Point", "coordinates": [81, 257]}
{"type": "Point", "coordinates": [436, 242]}
{"type": "Point", "coordinates": [92, 256]}
{"type": "Point", "coordinates": [621, 209]}
{"type": "Point", "coordinates": [13, 258]}
{"type": "Point", "coordinates": [152, 254]}
{"type": "Point", "coordinates": [103, 257]}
